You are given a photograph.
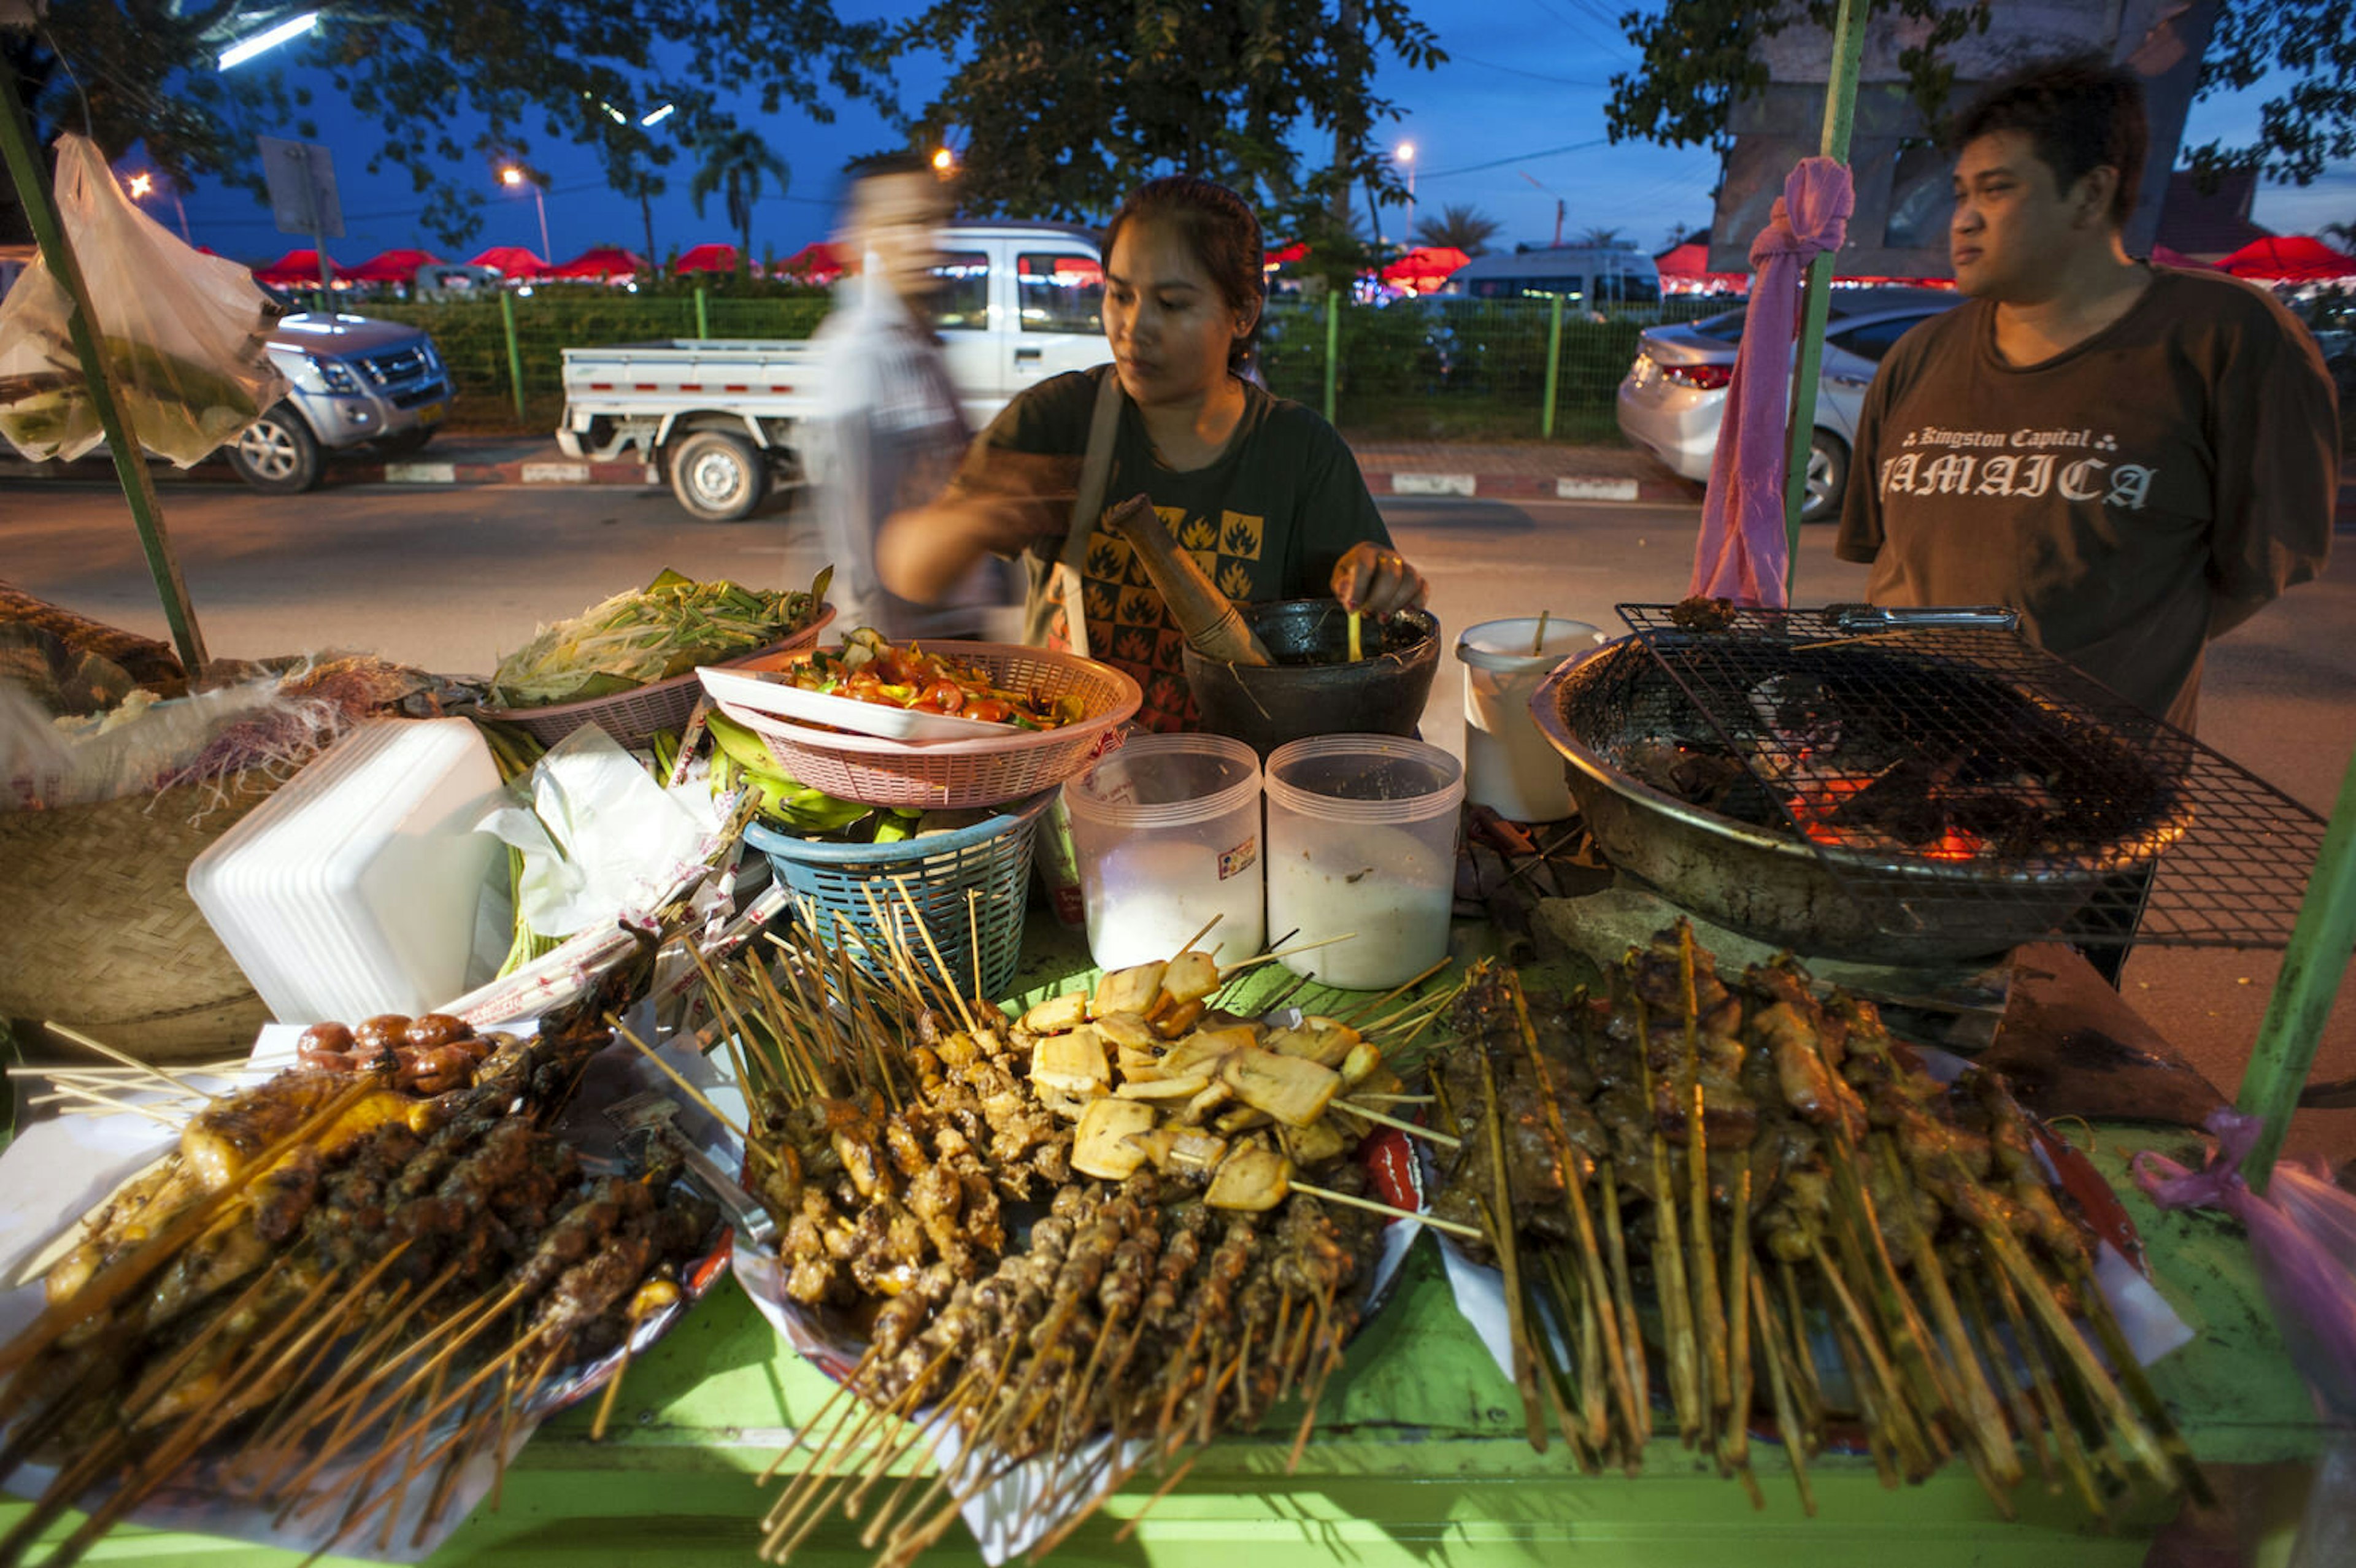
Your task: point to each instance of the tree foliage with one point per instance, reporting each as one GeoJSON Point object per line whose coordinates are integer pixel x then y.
{"type": "Point", "coordinates": [510, 71]}
{"type": "Point", "coordinates": [1698, 61]}
{"type": "Point", "coordinates": [1458, 226]}
{"type": "Point", "coordinates": [1063, 106]}
{"type": "Point", "coordinates": [735, 164]}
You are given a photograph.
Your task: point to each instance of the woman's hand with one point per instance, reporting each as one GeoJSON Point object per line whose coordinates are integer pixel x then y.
{"type": "Point", "coordinates": [1375, 581]}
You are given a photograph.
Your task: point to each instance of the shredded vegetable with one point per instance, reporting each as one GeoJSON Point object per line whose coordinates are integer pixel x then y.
{"type": "Point", "coordinates": [867, 668]}
{"type": "Point", "coordinates": [635, 639]}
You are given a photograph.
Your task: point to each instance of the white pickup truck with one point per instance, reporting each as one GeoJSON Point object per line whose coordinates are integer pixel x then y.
{"type": "Point", "coordinates": [719, 418]}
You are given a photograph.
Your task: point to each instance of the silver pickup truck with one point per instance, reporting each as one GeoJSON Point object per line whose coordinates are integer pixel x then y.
{"type": "Point", "coordinates": [356, 382]}
{"type": "Point", "coordinates": [719, 418]}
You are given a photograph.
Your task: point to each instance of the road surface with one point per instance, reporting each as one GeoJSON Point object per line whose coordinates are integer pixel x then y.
{"type": "Point", "coordinates": [447, 577]}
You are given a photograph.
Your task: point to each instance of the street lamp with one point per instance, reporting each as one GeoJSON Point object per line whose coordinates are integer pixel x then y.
{"type": "Point", "coordinates": [1407, 156]}
{"type": "Point", "coordinates": [512, 175]}
{"type": "Point", "coordinates": [263, 42]}
{"type": "Point", "coordinates": [143, 186]}
{"type": "Point", "coordinates": [944, 162]}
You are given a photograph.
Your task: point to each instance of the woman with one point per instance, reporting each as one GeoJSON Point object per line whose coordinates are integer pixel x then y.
{"type": "Point", "coordinates": [1260, 490]}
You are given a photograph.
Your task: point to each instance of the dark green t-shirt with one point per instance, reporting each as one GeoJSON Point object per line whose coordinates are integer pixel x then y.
{"type": "Point", "coordinates": [1265, 520]}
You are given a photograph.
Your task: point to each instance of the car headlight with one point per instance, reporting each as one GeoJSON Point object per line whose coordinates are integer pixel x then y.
{"type": "Point", "coordinates": [432, 358]}
{"type": "Point", "coordinates": [325, 376]}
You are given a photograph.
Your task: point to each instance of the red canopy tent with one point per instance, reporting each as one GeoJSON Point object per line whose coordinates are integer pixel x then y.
{"type": "Point", "coordinates": [513, 260]}
{"type": "Point", "coordinates": [815, 262]}
{"type": "Point", "coordinates": [1684, 270]}
{"type": "Point", "coordinates": [1424, 269]}
{"type": "Point", "coordinates": [296, 269]}
{"type": "Point", "coordinates": [2289, 259]}
{"type": "Point", "coordinates": [2168, 257]}
{"type": "Point", "coordinates": [602, 263]}
{"type": "Point", "coordinates": [707, 259]}
{"type": "Point", "coordinates": [393, 267]}
{"type": "Point", "coordinates": [1295, 251]}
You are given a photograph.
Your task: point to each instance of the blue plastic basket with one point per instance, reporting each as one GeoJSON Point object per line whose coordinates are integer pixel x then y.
{"type": "Point", "coordinates": [832, 884]}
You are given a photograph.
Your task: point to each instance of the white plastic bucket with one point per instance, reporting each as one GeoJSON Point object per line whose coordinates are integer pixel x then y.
{"type": "Point", "coordinates": [1509, 767]}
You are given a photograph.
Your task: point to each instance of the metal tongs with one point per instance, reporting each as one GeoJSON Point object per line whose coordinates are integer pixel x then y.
{"type": "Point", "coordinates": [650, 1118]}
{"type": "Point", "coordinates": [1921, 617]}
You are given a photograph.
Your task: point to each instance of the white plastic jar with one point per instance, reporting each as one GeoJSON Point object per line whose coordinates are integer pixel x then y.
{"type": "Point", "coordinates": [1361, 846]}
{"type": "Point", "coordinates": [1167, 832]}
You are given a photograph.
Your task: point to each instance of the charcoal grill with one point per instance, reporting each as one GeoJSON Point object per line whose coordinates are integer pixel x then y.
{"type": "Point", "coordinates": [1853, 786]}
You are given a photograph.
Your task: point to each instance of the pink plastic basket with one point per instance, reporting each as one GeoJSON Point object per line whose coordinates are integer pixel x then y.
{"type": "Point", "coordinates": [633, 717]}
{"type": "Point", "coordinates": [986, 772]}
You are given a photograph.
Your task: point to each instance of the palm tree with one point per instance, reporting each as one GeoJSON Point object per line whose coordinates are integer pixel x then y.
{"type": "Point", "coordinates": [2341, 234]}
{"type": "Point", "coordinates": [732, 165]}
{"type": "Point", "coordinates": [1460, 228]}
{"type": "Point", "coordinates": [1597, 239]}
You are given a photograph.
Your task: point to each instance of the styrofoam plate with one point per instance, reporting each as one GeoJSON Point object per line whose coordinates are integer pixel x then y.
{"type": "Point", "coordinates": [742, 688]}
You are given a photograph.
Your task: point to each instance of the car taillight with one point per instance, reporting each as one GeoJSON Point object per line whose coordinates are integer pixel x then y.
{"type": "Point", "coordinates": [1704, 378]}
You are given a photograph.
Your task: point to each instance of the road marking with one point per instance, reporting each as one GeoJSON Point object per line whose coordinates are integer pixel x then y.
{"type": "Point", "coordinates": [555, 474]}
{"type": "Point", "coordinates": [1433, 483]}
{"type": "Point", "coordinates": [1568, 488]}
{"type": "Point", "coordinates": [420, 474]}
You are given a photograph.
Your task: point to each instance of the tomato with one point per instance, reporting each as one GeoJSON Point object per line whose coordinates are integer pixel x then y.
{"type": "Point", "coordinates": [945, 695]}
{"type": "Point", "coordinates": [988, 710]}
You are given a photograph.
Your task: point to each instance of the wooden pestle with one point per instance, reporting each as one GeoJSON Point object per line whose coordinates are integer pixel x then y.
{"type": "Point", "coordinates": [1211, 625]}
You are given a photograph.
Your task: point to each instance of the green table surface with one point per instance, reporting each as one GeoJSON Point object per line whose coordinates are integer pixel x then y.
{"type": "Point", "coordinates": [1420, 1455]}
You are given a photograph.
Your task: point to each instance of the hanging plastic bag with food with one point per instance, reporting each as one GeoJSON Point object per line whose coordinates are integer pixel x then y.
{"type": "Point", "coordinates": [181, 334]}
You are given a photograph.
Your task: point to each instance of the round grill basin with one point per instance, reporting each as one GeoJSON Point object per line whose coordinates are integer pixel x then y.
{"type": "Point", "coordinates": [1760, 878]}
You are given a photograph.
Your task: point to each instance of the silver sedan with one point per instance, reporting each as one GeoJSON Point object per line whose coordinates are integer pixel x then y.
{"type": "Point", "coordinates": [1674, 397]}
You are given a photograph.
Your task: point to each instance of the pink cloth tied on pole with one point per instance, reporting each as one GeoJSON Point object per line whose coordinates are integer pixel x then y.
{"type": "Point", "coordinates": [1743, 549]}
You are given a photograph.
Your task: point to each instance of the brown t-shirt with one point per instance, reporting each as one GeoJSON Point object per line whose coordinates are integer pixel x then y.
{"type": "Point", "coordinates": [2180, 463]}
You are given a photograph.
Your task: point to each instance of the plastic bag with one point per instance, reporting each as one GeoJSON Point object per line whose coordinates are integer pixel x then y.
{"type": "Point", "coordinates": [181, 334]}
{"type": "Point", "coordinates": [2302, 1240]}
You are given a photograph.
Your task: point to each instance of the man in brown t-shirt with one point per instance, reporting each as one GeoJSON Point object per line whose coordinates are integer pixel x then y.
{"type": "Point", "coordinates": [2136, 458]}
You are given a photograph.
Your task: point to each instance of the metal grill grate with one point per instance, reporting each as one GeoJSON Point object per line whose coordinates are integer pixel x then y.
{"type": "Point", "coordinates": [1959, 775]}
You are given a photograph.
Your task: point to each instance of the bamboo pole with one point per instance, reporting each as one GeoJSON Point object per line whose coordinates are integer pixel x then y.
{"type": "Point", "coordinates": [32, 185]}
{"type": "Point", "coordinates": [2320, 944]}
{"type": "Point", "coordinates": [1840, 115]}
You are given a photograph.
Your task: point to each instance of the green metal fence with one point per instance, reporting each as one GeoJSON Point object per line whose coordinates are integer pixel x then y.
{"type": "Point", "coordinates": [1434, 369]}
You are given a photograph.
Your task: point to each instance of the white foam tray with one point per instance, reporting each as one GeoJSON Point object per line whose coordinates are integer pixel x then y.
{"type": "Point", "coordinates": [354, 888]}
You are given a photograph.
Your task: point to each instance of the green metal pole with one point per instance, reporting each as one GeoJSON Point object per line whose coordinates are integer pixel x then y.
{"type": "Point", "coordinates": [702, 314]}
{"type": "Point", "coordinates": [2321, 946]}
{"type": "Point", "coordinates": [1554, 366]}
{"type": "Point", "coordinates": [515, 349]}
{"type": "Point", "coordinates": [1333, 347]}
{"type": "Point", "coordinates": [1840, 115]}
{"type": "Point", "coordinates": [130, 465]}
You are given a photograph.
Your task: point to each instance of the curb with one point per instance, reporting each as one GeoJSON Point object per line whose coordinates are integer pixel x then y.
{"type": "Point", "coordinates": [339, 474]}
{"type": "Point", "coordinates": [1595, 488]}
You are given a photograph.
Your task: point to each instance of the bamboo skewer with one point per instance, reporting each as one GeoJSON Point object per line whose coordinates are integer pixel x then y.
{"type": "Point", "coordinates": [163, 1074]}
{"type": "Point", "coordinates": [1468, 1231]}
{"type": "Point", "coordinates": [1788, 1422]}
{"type": "Point", "coordinates": [1498, 1206]}
{"type": "Point", "coordinates": [1412, 1129]}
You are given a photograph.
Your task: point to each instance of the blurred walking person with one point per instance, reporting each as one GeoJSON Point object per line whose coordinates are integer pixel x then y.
{"type": "Point", "coordinates": [894, 432]}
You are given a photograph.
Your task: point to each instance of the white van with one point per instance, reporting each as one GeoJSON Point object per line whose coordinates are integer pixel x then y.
{"type": "Point", "coordinates": [1587, 277]}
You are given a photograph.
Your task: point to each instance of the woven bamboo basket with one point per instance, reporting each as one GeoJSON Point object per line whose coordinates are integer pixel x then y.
{"type": "Point", "coordinates": [103, 935]}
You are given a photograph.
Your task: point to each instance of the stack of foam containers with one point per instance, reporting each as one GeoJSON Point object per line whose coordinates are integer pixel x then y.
{"type": "Point", "coordinates": [354, 890]}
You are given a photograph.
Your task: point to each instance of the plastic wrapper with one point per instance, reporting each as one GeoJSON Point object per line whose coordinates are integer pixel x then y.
{"type": "Point", "coordinates": [2302, 1241]}
{"type": "Point", "coordinates": [181, 335]}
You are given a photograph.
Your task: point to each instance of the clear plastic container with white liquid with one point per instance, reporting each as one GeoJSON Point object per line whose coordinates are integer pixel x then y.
{"type": "Point", "coordinates": [1362, 846]}
{"type": "Point", "coordinates": [1167, 832]}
